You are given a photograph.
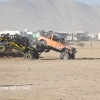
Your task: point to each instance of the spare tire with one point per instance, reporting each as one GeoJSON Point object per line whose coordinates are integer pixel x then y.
{"type": "Point", "coordinates": [3, 48]}
{"type": "Point", "coordinates": [40, 48]}
{"type": "Point", "coordinates": [47, 49]}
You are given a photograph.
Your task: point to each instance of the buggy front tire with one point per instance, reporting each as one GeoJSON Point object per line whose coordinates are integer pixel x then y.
{"type": "Point", "coordinates": [28, 55]}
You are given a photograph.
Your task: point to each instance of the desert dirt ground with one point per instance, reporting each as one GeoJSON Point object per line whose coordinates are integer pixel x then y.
{"type": "Point", "coordinates": [50, 78]}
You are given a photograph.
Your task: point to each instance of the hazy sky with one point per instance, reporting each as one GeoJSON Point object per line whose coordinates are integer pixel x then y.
{"type": "Point", "coordinates": [84, 1]}
{"type": "Point", "coordinates": [4, 0]}
{"type": "Point", "coordinates": [90, 1]}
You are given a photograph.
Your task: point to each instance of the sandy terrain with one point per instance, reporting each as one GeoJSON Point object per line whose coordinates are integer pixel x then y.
{"type": "Point", "coordinates": [50, 78]}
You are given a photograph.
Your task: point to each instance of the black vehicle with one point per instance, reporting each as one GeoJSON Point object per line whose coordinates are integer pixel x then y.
{"type": "Point", "coordinates": [21, 44]}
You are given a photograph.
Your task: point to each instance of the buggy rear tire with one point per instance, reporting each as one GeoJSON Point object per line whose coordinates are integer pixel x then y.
{"type": "Point", "coordinates": [3, 48]}
{"type": "Point", "coordinates": [71, 56]}
{"type": "Point", "coordinates": [28, 55]}
{"type": "Point", "coordinates": [64, 55]}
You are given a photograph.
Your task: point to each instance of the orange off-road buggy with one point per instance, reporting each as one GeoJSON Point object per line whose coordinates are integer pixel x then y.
{"type": "Point", "coordinates": [56, 42]}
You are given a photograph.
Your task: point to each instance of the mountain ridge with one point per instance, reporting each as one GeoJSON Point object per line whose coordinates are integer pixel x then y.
{"type": "Point", "coordinates": [55, 15]}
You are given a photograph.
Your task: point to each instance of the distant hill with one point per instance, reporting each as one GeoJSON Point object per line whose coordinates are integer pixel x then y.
{"type": "Point", "coordinates": [55, 15]}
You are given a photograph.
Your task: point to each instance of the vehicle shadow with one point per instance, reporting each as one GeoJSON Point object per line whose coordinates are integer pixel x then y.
{"type": "Point", "coordinates": [70, 59]}
{"type": "Point", "coordinates": [49, 59]}
{"type": "Point", "coordinates": [84, 58]}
